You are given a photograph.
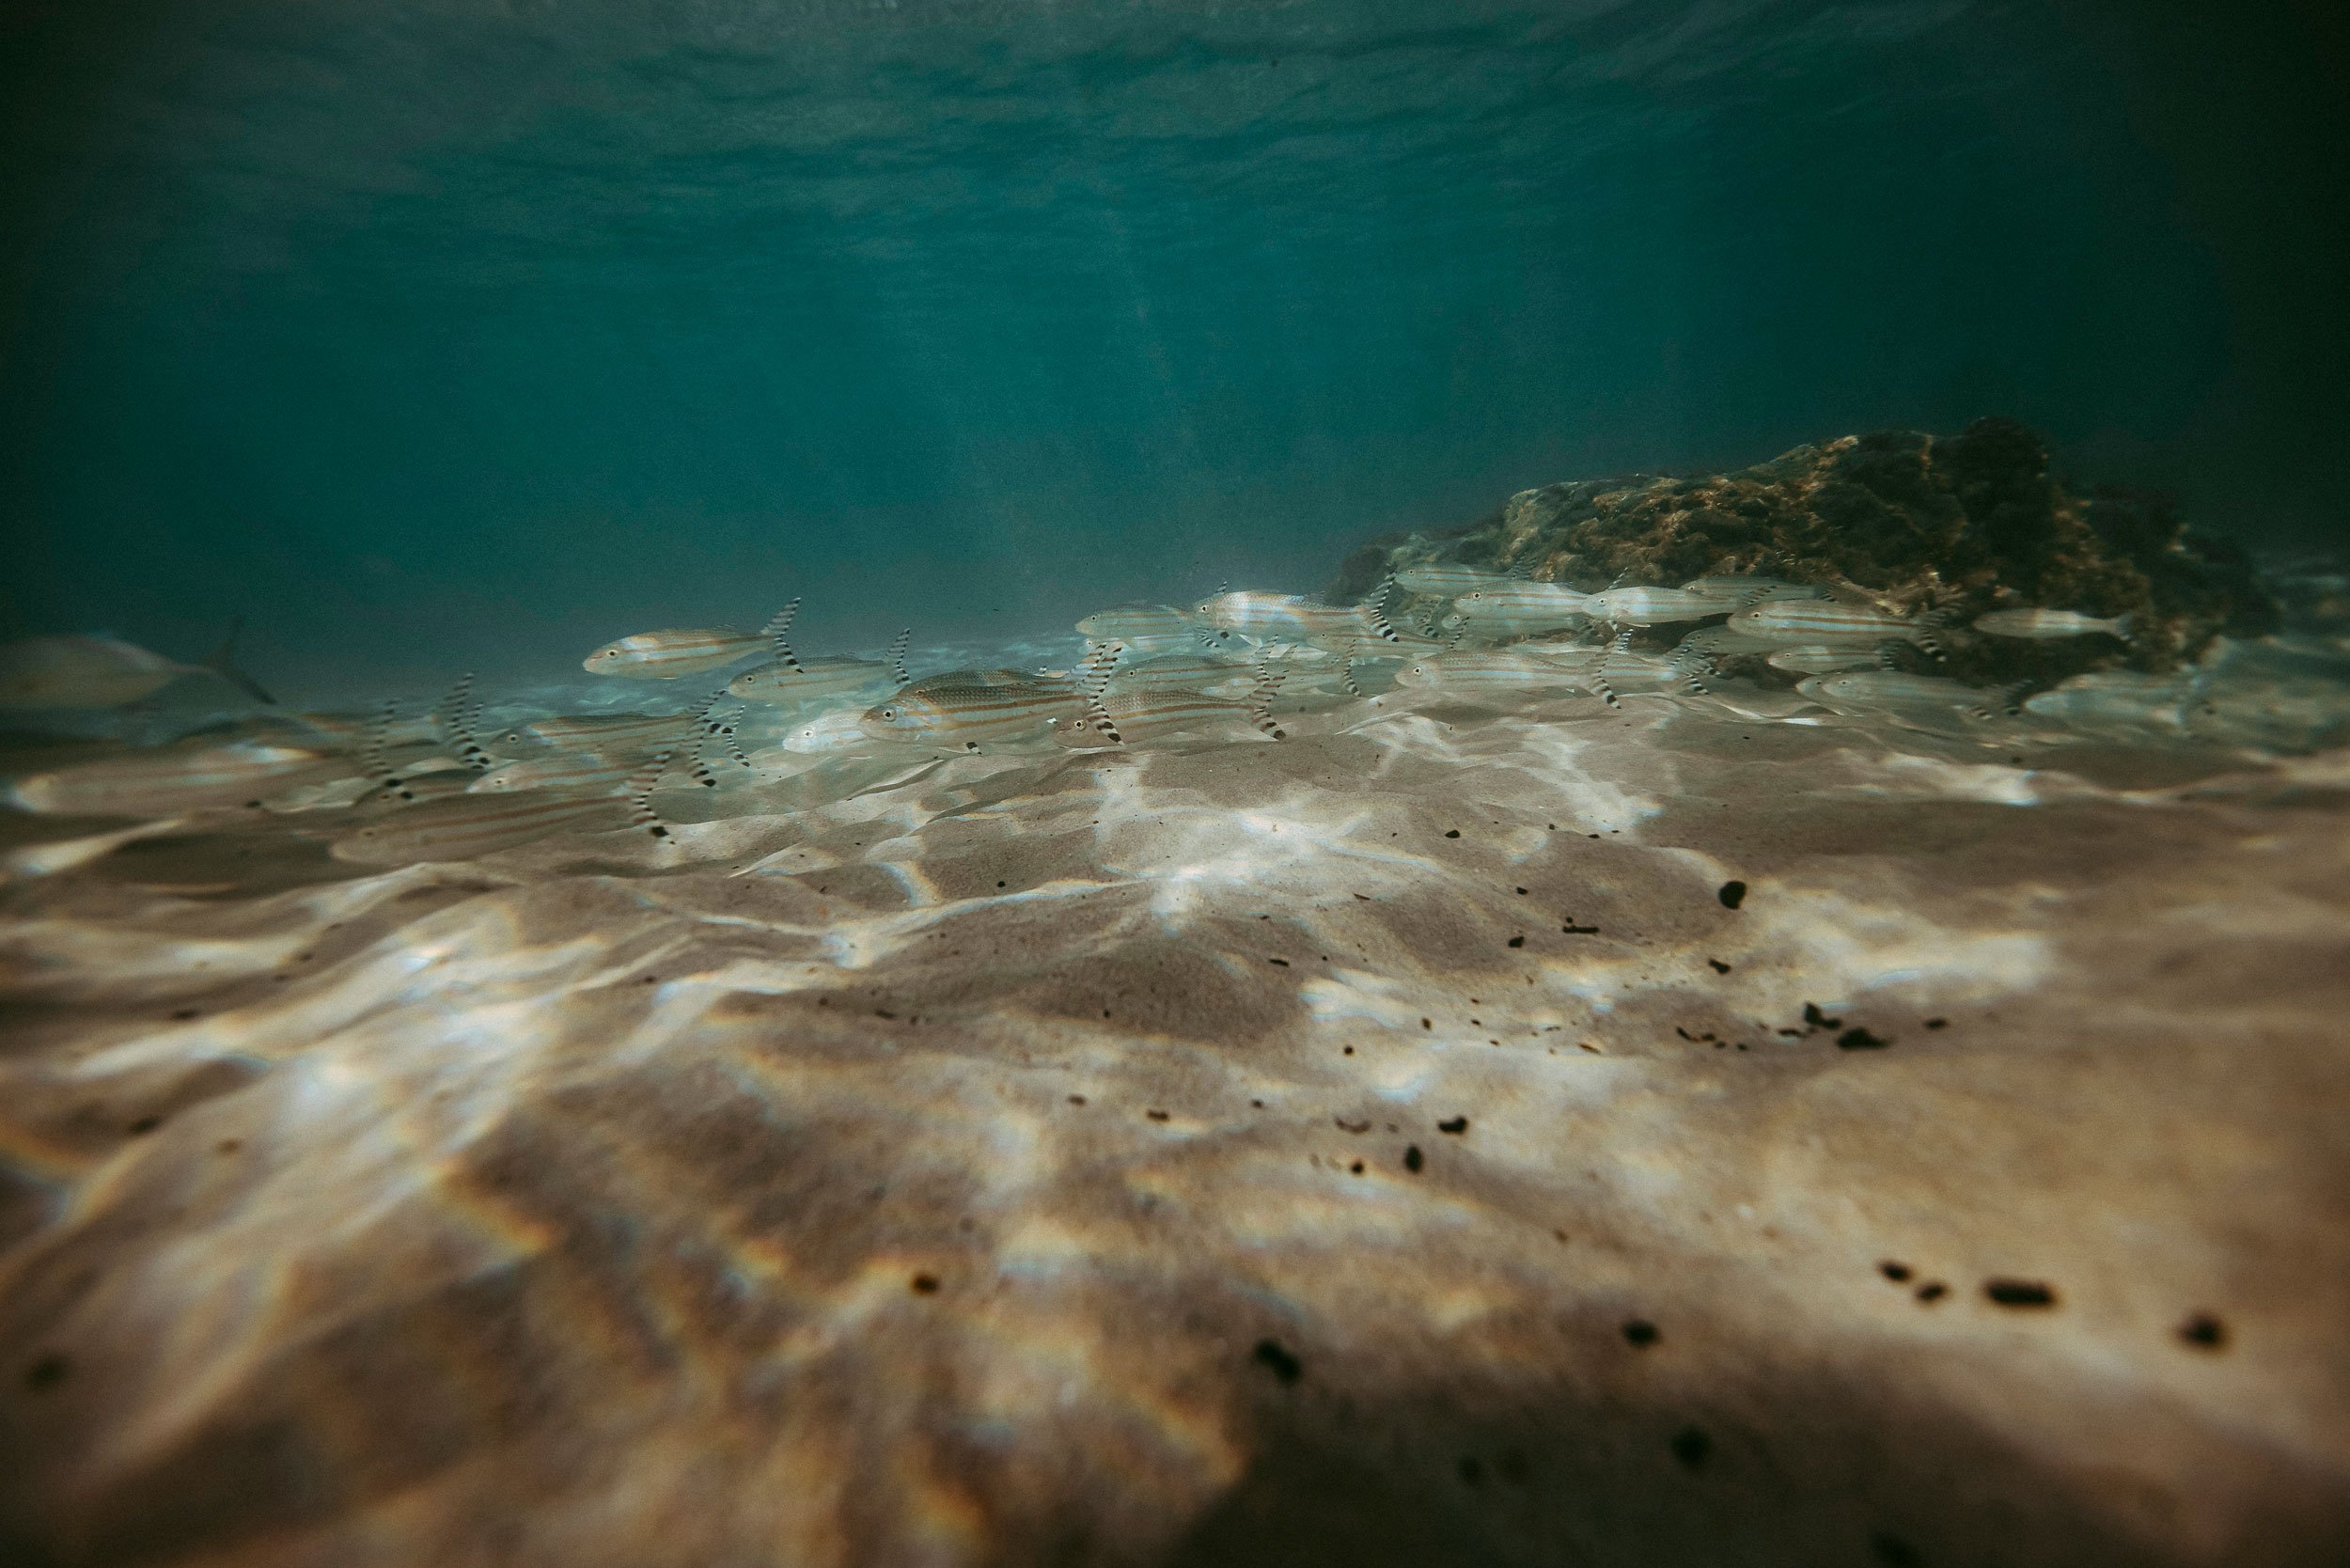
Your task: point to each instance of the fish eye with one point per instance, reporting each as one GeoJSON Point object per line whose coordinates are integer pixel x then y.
{"type": "Point", "coordinates": [889, 713]}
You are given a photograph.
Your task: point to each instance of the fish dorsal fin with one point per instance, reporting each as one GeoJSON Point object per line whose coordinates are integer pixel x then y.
{"type": "Point", "coordinates": [455, 718]}
{"type": "Point", "coordinates": [374, 755]}
{"type": "Point", "coordinates": [779, 632]}
{"type": "Point", "coordinates": [1094, 679]}
{"type": "Point", "coordinates": [1519, 571]}
{"type": "Point", "coordinates": [897, 656]}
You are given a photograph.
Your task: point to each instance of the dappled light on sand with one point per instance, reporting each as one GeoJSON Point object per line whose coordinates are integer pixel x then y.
{"type": "Point", "coordinates": [1607, 1125]}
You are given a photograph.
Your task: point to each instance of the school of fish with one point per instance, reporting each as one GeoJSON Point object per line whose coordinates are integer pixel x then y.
{"type": "Point", "coordinates": [1234, 667]}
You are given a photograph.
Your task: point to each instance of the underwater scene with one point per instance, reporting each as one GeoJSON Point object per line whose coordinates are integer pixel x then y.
{"type": "Point", "coordinates": [1164, 784]}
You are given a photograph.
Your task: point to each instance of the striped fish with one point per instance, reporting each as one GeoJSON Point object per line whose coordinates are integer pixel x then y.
{"type": "Point", "coordinates": [617, 734]}
{"type": "Point", "coordinates": [1192, 672]}
{"type": "Point", "coordinates": [1889, 690]}
{"type": "Point", "coordinates": [963, 710]}
{"type": "Point", "coordinates": [2042, 625]}
{"type": "Point", "coordinates": [666, 654]}
{"type": "Point", "coordinates": [1741, 589]}
{"type": "Point", "coordinates": [105, 672]}
{"type": "Point", "coordinates": [1499, 671]}
{"type": "Point", "coordinates": [465, 826]}
{"type": "Point", "coordinates": [2116, 699]}
{"type": "Point", "coordinates": [810, 680]}
{"type": "Point", "coordinates": [1516, 606]}
{"type": "Point", "coordinates": [1143, 715]}
{"type": "Point", "coordinates": [1294, 618]}
{"type": "Point", "coordinates": [1145, 629]}
{"type": "Point", "coordinates": [567, 770]}
{"type": "Point", "coordinates": [169, 781]}
{"type": "Point", "coordinates": [1446, 581]}
{"type": "Point", "coordinates": [1829, 620]}
{"type": "Point", "coordinates": [1656, 606]}
{"type": "Point", "coordinates": [842, 730]}
{"type": "Point", "coordinates": [1820, 658]}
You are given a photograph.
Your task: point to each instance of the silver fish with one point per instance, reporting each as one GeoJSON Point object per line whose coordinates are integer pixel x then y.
{"type": "Point", "coordinates": [463, 826]}
{"type": "Point", "coordinates": [1183, 672]}
{"type": "Point", "coordinates": [1818, 658]}
{"type": "Point", "coordinates": [810, 680]}
{"type": "Point", "coordinates": [2111, 699]}
{"type": "Point", "coordinates": [1864, 691]}
{"type": "Point", "coordinates": [1742, 590]}
{"type": "Point", "coordinates": [105, 672]}
{"type": "Point", "coordinates": [666, 655]}
{"type": "Point", "coordinates": [1289, 617]}
{"type": "Point", "coordinates": [2043, 625]}
{"type": "Point", "coordinates": [1508, 669]}
{"type": "Point", "coordinates": [963, 710]}
{"type": "Point", "coordinates": [566, 770]}
{"type": "Point", "coordinates": [1444, 581]}
{"type": "Point", "coordinates": [169, 781]}
{"type": "Point", "coordinates": [1654, 606]}
{"type": "Point", "coordinates": [1827, 620]}
{"type": "Point", "coordinates": [614, 734]}
{"type": "Point", "coordinates": [1145, 629]}
{"type": "Point", "coordinates": [1524, 607]}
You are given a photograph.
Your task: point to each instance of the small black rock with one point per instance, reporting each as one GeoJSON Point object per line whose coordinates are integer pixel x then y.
{"type": "Point", "coordinates": [1733, 894]}
{"type": "Point", "coordinates": [1288, 1368]}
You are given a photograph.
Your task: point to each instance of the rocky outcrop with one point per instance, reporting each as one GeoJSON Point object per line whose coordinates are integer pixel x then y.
{"type": "Point", "coordinates": [1959, 524]}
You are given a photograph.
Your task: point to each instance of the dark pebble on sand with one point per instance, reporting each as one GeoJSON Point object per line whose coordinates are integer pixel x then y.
{"type": "Point", "coordinates": [1857, 1039]}
{"type": "Point", "coordinates": [1641, 1333]}
{"type": "Point", "coordinates": [2204, 1331]}
{"type": "Point", "coordinates": [1517, 941]}
{"type": "Point", "coordinates": [1458, 1125]}
{"type": "Point", "coordinates": [47, 1370]}
{"type": "Point", "coordinates": [925, 1284]}
{"type": "Point", "coordinates": [1691, 1447]}
{"type": "Point", "coordinates": [1898, 1272]}
{"type": "Point", "coordinates": [2019, 1293]}
{"type": "Point", "coordinates": [1284, 1366]}
{"type": "Point", "coordinates": [1733, 894]}
{"type": "Point", "coordinates": [1452, 833]}
{"type": "Point", "coordinates": [1413, 1160]}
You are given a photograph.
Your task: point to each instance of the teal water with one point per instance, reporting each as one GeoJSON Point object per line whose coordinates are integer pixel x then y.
{"type": "Point", "coordinates": [431, 336]}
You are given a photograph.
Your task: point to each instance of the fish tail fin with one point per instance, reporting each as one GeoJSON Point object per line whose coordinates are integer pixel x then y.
{"type": "Point", "coordinates": [1099, 660]}
{"type": "Point", "coordinates": [897, 656]}
{"type": "Point", "coordinates": [640, 784]}
{"type": "Point", "coordinates": [455, 718]}
{"type": "Point", "coordinates": [222, 662]}
{"type": "Point", "coordinates": [1375, 608]}
{"type": "Point", "coordinates": [779, 630]}
{"type": "Point", "coordinates": [375, 753]}
{"type": "Point", "coordinates": [1260, 699]}
{"type": "Point", "coordinates": [2121, 627]}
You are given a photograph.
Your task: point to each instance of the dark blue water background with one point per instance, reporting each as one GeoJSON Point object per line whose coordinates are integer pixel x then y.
{"type": "Point", "coordinates": [432, 335]}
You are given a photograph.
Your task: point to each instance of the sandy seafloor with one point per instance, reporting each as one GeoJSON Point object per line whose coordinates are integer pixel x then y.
{"type": "Point", "coordinates": [1378, 1146]}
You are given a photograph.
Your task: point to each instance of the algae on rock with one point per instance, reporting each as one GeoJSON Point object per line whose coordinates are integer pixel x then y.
{"type": "Point", "coordinates": [1919, 523]}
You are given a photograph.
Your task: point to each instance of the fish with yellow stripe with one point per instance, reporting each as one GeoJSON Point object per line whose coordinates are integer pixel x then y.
{"type": "Point", "coordinates": [675, 651]}
{"type": "Point", "coordinates": [966, 710]}
{"type": "Point", "coordinates": [1830, 621]}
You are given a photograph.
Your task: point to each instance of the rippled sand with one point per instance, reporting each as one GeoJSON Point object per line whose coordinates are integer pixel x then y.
{"type": "Point", "coordinates": [1385, 1145]}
